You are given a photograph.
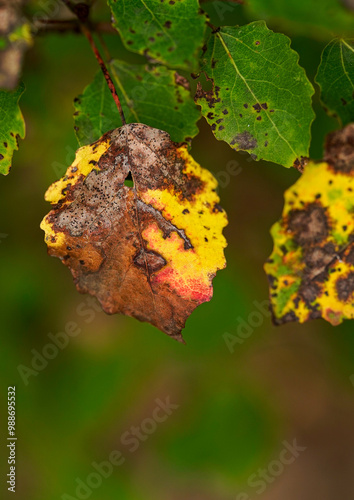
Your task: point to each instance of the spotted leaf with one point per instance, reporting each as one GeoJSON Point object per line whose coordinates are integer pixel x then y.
{"type": "Point", "coordinates": [311, 268]}
{"type": "Point", "coordinates": [139, 224]}
{"type": "Point", "coordinates": [167, 31]}
{"type": "Point", "coordinates": [335, 77]}
{"type": "Point", "coordinates": [260, 100]}
{"type": "Point", "coordinates": [157, 97]}
{"type": "Point", "coordinates": [12, 126]}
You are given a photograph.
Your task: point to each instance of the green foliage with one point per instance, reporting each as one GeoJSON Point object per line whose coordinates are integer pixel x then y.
{"type": "Point", "coordinates": [335, 77]}
{"type": "Point", "coordinates": [148, 95]}
{"type": "Point", "coordinates": [12, 126]}
{"type": "Point", "coordinates": [327, 18]}
{"type": "Point", "coordinates": [169, 31]}
{"type": "Point", "coordinates": [261, 97]}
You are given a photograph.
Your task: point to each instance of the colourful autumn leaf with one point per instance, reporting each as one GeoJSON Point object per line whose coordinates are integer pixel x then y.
{"type": "Point", "coordinates": [149, 250]}
{"type": "Point", "coordinates": [168, 31]}
{"type": "Point", "coordinates": [311, 268]}
{"type": "Point", "coordinates": [260, 101]}
{"type": "Point", "coordinates": [155, 96]}
{"type": "Point", "coordinates": [12, 126]}
{"type": "Point", "coordinates": [335, 77]}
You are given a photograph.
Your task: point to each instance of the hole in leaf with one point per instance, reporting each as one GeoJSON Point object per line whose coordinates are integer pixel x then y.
{"type": "Point", "coordinates": [129, 180]}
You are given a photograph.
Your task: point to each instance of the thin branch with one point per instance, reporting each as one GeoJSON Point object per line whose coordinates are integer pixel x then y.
{"type": "Point", "coordinates": [70, 26]}
{"type": "Point", "coordinates": [82, 11]}
{"type": "Point", "coordinates": [105, 72]}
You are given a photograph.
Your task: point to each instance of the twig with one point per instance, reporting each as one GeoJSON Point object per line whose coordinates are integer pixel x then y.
{"type": "Point", "coordinates": [82, 11]}
{"type": "Point", "coordinates": [70, 25]}
{"type": "Point", "coordinates": [105, 72]}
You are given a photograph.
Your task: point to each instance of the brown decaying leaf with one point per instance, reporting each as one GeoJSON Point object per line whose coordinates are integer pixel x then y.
{"type": "Point", "coordinates": [149, 250]}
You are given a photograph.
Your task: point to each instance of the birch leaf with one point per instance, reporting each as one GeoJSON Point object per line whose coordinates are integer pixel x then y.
{"type": "Point", "coordinates": [261, 98]}
{"type": "Point", "coordinates": [311, 269]}
{"type": "Point", "coordinates": [157, 97]}
{"type": "Point", "coordinates": [12, 126]}
{"type": "Point", "coordinates": [335, 77]}
{"type": "Point", "coordinates": [139, 224]}
{"type": "Point", "coordinates": [168, 31]}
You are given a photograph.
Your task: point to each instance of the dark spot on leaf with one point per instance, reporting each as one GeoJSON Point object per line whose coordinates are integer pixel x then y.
{"type": "Point", "coordinates": [221, 127]}
{"type": "Point", "coordinates": [257, 42]}
{"type": "Point", "coordinates": [345, 287]}
{"type": "Point", "coordinates": [182, 81]}
{"type": "Point", "coordinates": [339, 149]}
{"type": "Point", "coordinates": [219, 120]}
{"type": "Point", "coordinates": [266, 144]}
{"type": "Point", "coordinates": [1, 156]}
{"type": "Point", "coordinates": [264, 105]}
{"type": "Point", "coordinates": [5, 144]}
{"type": "Point", "coordinates": [344, 102]}
{"type": "Point", "coordinates": [245, 140]}
{"type": "Point", "coordinates": [309, 225]}
{"type": "Point", "coordinates": [259, 118]}
{"type": "Point", "coordinates": [245, 105]}
{"type": "Point", "coordinates": [213, 63]}
{"type": "Point", "coordinates": [153, 260]}
{"type": "Point", "coordinates": [257, 107]}
{"type": "Point", "coordinates": [168, 24]}
{"type": "Point", "coordinates": [217, 208]}
{"type": "Point", "coordinates": [225, 112]}
{"type": "Point", "coordinates": [240, 115]}
{"type": "Point", "coordinates": [210, 115]}
{"type": "Point", "coordinates": [309, 292]}
{"type": "Point", "coordinates": [185, 211]}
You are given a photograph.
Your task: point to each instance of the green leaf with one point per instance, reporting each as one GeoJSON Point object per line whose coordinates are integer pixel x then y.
{"type": "Point", "coordinates": [169, 31]}
{"type": "Point", "coordinates": [335, 77]}
{"type": "Point", "coordinates": [261, 98]}
{"type": "Point", "coordinates": [12, 126]}
{"type": "Point", "coordinates": [303, 17]}
{"type": "Point", "coordinates": [148, 95]}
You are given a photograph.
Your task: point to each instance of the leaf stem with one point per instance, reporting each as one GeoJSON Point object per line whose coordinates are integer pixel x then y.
{"type": "Point", "coordinates": [81, 10]}
{"type": "Point", "coordinates": [105, 72]}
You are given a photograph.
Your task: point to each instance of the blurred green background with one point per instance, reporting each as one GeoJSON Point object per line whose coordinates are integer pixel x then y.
{"type": "Point", "coordinates": [235, 410]}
